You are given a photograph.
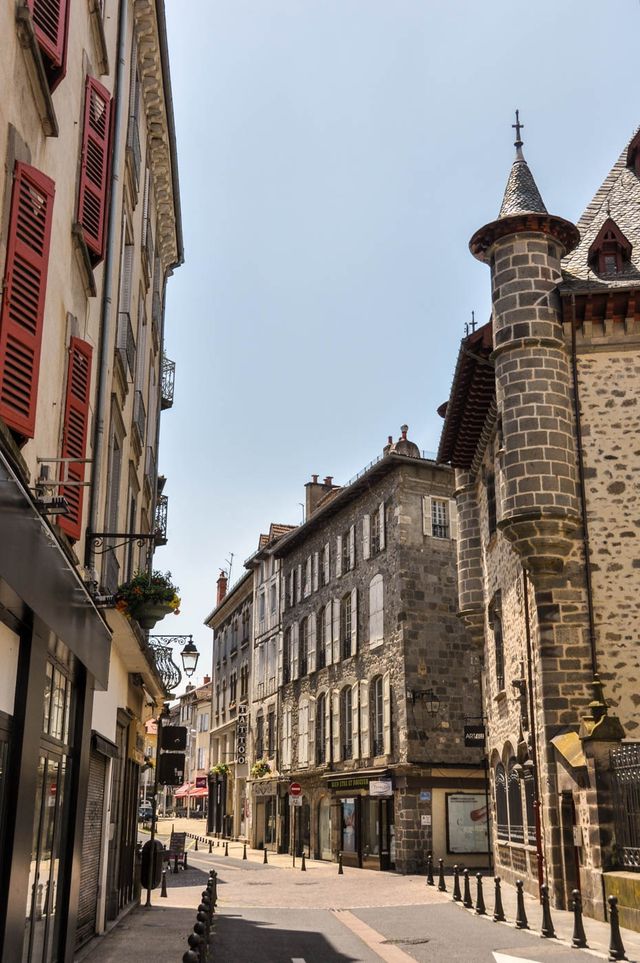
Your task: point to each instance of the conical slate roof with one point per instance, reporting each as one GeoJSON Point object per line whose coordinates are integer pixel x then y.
{"type": "Point", "coordinates": [521, 194]}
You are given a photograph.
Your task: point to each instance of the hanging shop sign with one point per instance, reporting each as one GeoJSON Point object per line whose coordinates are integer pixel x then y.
{"type": "Point", "coordinates": [171, 769]}
{"type": "Point", "coordinates": [242, 731]}
{"type": "Point", "coordinates": [201, 782]}
{"type": "Point", "coordinates": [466, 823]}
{"type": "Point", "coordinates": [474, 736]}
{"type": "Point", "coordinates": [173, 738]}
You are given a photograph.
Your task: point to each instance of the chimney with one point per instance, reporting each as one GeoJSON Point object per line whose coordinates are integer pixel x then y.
{"type": "Point", "coordinates": [206, 680]}
{"type": "Point", "coordinates": [315, 491]}
{"type": "Point", "coordinates": [222, 586]}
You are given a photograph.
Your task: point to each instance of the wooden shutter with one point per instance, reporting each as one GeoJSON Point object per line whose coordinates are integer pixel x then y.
{"type": "Point", "coordinates": [335, 649]}
{"type": "Point", "coordinates": [280, 652]}
{"type": "Point", "coordinates": [315, 566]}
{"type": "Point", "coordinates": [352, 547]}
{"type": "Point", "coordinates": [283, 592]}
{"type": "Point", "coordinates": [365, 750]}
{"type": "Point", "coordinates": [94, 169]}
{"type": "Point", "coordinates": [50, 21]}
{"type": "Point", "coordinates": [427, 523]}
{"type": "Point", "coordinates": [327, 627]}
{"type": "Point", "coordinates": [299, 584]}
{"type": "Point", "coordinates": [453, 519]}
{"type": "Point", "coordinates": [382, 532]}
{"type": "Point", "coordinates": [386, 713]}
{"type": "Point", "coordinates": [339, 556]}
{"type": "Point", "coordinates": [335, 712]}
{"type": "Point", "coordinates": [303, 734]}
{"type": "Point", "coordinates": [354, 621]}
{"type": "Point", "coordinates": [366, 536]}
{"type": "Point", "coordinates": [74, 434]}
{"type": "Point", "coordinates": [311, 645]}
{"type": "Point", "coordinates": [307, 577]}
{"type": "Point", "coordinates": [325, 563]}
{"type": "Point", "coordinates": [311, 735]}
{"type": "Point", "coordinates": [293, 655]}
{"type": "Point", "coordinates": [23, 300]}
{"type": "Point", "coordinates": [327, 727]}
{"type": "Point", "coordinates": [355, 714]}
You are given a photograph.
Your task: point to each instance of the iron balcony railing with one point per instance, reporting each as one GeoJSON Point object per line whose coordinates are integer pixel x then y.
{"type": "Point", "coordinates": [625, 767]}
{"type": "Point", "coordinates": [168, 382]}
{"type": "Point", "coordinates": [139, 417]}
{"type": "Point", "coordinates": [133, 148]}
{"type": "Point", "coordinates": [160, 530]}
{"type": "Point", "coordinates": [426, 455]}
{"type": "Point", "coordinates": [126, 345]}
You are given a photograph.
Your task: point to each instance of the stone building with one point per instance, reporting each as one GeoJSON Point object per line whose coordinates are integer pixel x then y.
{"type": "Point", "coordinates": [231, 621]}
{"type": "Point", "coordinates": [263, 740]}
{"type": "Point", "coordinates": [540, 428]}
{"type": "Point", "coordinates": [190, 799]}
{"type": "Point", "coordinates": [376, 677]}
{"type": "Point", "coordinates": [89, 233]}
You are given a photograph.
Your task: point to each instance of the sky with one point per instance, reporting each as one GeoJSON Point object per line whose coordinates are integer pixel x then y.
{"type": "Point", "coordinates": [335, 157]}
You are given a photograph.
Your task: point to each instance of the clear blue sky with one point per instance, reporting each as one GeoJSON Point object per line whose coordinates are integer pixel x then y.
{"type": "Point", "coordinates": [335, 158]}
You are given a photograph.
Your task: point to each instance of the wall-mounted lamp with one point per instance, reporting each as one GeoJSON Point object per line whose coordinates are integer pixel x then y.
{"type": "Point", "coordinates": [428, 697]}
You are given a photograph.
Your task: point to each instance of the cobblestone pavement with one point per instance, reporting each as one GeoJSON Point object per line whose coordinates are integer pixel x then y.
{"type": "Point", "coordinates": [275, 912]}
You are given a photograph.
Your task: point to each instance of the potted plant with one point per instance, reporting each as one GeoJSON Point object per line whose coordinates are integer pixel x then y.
{"type": "Point", "coordinates": [148, 598]}
{"type": "Point", "coordinates": [221, 769]}
{"type": "Point", "coordinates": [260, 768]}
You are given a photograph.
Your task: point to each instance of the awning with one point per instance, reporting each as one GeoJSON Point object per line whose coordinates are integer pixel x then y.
{"type": "Point", "coordinates": [187, 789]}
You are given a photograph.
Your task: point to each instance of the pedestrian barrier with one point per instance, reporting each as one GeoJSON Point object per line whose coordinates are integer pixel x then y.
{"type": "Point", "coordinates": [430, 881]}
{"type": "Point", "coordinates": [264, 858]}
{"type": "Point", "coordinates": [547, 924]}
{"type": "Point", "coordinates": [200, 939]}
{"type": "Point", "coordinates": [616, 948]}
{"type": "Point", "coordinates": [467, 902]}
{"type": "Point", "coordinates": [244, 851]}
{"type": "Point", "coordinates": [303, 865]}
{"type": "Point", "coordinates": [457, 895]}
{"type": "Point", "coordinates": [442, 886]}
{"type": "Point", "coordinates": [579, 940]}
{"type": "Point", "coordinates": [480, 907]}
{"type": "Point", "coordinates": [340, 869]}
{"type": "Point", "coordinates": [498, 909]}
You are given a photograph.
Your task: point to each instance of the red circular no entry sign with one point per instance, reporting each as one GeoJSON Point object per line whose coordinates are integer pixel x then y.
{"type": "Point", "coordinates": [295, 789]}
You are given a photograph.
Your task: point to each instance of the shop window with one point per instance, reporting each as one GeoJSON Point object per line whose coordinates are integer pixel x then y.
{"type": "Point", "coordinates": [514, 796]}
{"type": "Point", "coordinates": [502, 812]}
{"type": "Point", "coordinates": [321, 733]}
{"type": "Point", "coordinates": [377, 716]}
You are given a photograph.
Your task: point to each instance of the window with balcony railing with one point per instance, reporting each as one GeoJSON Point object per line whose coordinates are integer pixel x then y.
{"type": "Point", "coordinates": [125, 344]}
{"type": "Point", "coordinates": [168, 382]}
{"type": "Point", "coordinates": [160, 530]}
{"type": "Point", "coordinates": [139, 417]}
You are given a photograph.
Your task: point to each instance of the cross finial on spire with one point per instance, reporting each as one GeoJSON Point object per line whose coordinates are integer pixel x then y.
{"type": "Point", "coordinates": [470, 326]}
{"type": "Point", "coordinates": [518, 127]}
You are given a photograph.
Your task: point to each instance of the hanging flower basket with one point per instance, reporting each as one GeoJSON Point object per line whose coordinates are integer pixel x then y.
{"type": "Point", "coordinates": [260, 769]}
{"type": "Point", "coordinates": [148, 598]}
{"type": "Point", "coordinates": [221, 769]}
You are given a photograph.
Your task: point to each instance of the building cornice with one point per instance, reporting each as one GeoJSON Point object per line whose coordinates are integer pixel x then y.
{"type": "Point", "coordinates": [156, 92]}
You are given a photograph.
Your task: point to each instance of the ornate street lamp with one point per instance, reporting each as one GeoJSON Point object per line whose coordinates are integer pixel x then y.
{"type": "Point", "coordinates": [169, 671]}
{"type": "Point", "coordinates": [189, 656]}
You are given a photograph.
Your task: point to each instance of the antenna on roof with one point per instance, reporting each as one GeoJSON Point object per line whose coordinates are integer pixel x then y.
{"type": "Point", "coordinates": [470, 326]}
{"type": "Point", "coordinates": [230, 564]}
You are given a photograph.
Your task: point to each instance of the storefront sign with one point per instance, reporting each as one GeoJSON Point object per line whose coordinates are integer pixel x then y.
{"type": "Point", "coordinates": [381, 787]}
{"type": "Point", "coordinates": [467, 823]}
{"type": "Point", "coordinates": [474, 737]}
{"type": "Point", "coordinates": [242, 727]}
{"type": "Point", "coordinates": [425, 795]}
{"type": "Point", "coordinates": [425, 819]}
{"type": "Point", "coordinates": [173, 738]}
{"type": "Point", "coordinates": [201, 782]}
{"type": "Point", "coordinates": [356, 782]}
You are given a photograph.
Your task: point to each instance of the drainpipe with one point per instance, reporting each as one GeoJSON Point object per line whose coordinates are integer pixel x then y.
{"type": "Point", "coordinates": [534, 737]}
{"type": "Point", "coordinates": [102, 397]}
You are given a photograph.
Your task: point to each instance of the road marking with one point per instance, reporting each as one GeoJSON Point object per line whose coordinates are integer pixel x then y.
{"type": "Point", "coordinates": [373, 939]}
{"type": "Point", "coordinates": [297, 959]}
{"type": "Point", "coordinates": [504, 958]}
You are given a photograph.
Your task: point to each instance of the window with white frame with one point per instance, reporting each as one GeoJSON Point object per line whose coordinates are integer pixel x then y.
{"type": "Point", "coordinates": [439, 518]}
{"type": "Point", "coordinates": [200, 758]}
{"type": "Point", "coordinates": [346, 722]}
{"type": "Point", "coordinates": [376, 610]}
{"type": "Point", "coordinates": [377, 716]}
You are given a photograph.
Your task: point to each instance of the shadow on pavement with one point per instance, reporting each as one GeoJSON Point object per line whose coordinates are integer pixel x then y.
{"type": "Point", "coordinates": [240, 940]}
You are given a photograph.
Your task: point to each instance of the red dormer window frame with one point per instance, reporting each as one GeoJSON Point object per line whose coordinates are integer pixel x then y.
{"type": "Point", "coordinates": [633, 154]}
{"type": "Point", "coordinates": [609, 250]}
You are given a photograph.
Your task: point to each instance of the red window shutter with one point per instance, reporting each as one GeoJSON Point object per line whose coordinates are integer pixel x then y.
{"type": "Point", "coordinates": [74, 436]}
{"type": "Point", "coordinates": [23, 296]}
{"type": "Point", "coordinates": [94, 173]}
{"type": "Point", "coordinates": [50, 21]}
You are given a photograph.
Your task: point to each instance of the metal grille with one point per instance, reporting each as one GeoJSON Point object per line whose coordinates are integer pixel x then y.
{"type": "Point", "coordinates": [168, 382]}
{"type": "Point", "coordinates": [160, 530]}
{"type": "Point", "coordinates": [625, 765]}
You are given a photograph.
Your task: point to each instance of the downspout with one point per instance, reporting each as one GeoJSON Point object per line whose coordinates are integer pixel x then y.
{"type": "Point", "coordinates": [113, 234]}
{"type": "Point", "coordinates": [534, 737]}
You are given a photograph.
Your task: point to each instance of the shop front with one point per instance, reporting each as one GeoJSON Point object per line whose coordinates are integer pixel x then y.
{"type": "Point", "coordinates": [264, 814]}
{"type": "Point", "coordinates": [363, 823]}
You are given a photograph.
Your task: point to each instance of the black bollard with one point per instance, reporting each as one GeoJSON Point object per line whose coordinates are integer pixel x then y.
{"type": "Point", "coordinates": [226, 848]}
{"type": "Point", "coordinates": [244, 851]}
{"type": "Point", "coordinates": [522, 922]}
{"type": "Point", "coordinates": [264, 858]}
{"type": "Point", "coordinates": [210, 844]}
{"type": "Point", "coordinates": [195, 944]}
{"type": "Point", "coordinates": [442, 886]}
{"type": "Point", "coordinates": [184, 865]}
{"type": "Point", "coordinates": [196, 845]}
{"type": "Point", "coordinates": [190, 957]}
{"type": "Point", "coordinates": [467, 902]}
{"type": "Point", "coordinates": [457, 895]}
{"type": "Point", "coordinates": [303, 865]}
{"type": "Point", "coordinates": [616, 947]}
{"type": "Point", "coordinates": [163, 891]}
{"type": "Point", "coordinates": [498, 909]}
{"type": "Point", "coordinates": [430, 870]}
{"type": "Point", "coordinates": [340, 869]}
{"type": "Point", "coordinates": [579, 940]}
{"type": "Point", "coordinates": [481, 909]}
{"type": "Point", "coordinates": [175, 863]}
{"type": "Point", "coordinates": [547, 931]}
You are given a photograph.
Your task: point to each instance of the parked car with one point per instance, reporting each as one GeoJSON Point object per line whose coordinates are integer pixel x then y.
{"type": "Point", "coordinates": [145, 811]}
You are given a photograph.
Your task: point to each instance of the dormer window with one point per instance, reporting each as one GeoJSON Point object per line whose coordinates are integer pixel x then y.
{"type": "Point", "coordinates": [633, 154]}
{"type": "Point", "coordinates": [610, 250]}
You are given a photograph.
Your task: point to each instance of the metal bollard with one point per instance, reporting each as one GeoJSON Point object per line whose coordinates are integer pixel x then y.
{"type": "Point", "coordinates": [244, 851]}
{"type": "Point", "coordinates": [481, 909]}
{"type": "Point", "coordinates": [442, 886]}
{"type": "Point", "coordinates": [175, 863]}
{"type": "Point", "coordinates": [457, 895]}
{"type": "Point", "coordinates": [190, 957]}
{"type": "Point", "coordinates": [303, 865]}
{"type": "Point", "coordinates": [616, 947]}
{"type": "Point", "coordinates": [196, 845]}
{"type": "Point", "coordinates": [163, 891]}
{"type": "Point", "coordinates": [226, 848]}
{"type": "Point", "coordinates": [210, 844]}
{"type": "Point", "coordinates": [200, 931]}
{"type": "Point", "coordinates": [264, 858]}
{"type": "Point", "coordinates": [340, 869]}
{"type": "Point", "coordinates": [498, 909]}
{"type": "Point", "coordinates": [521, 921]}
{"type": "Point", "coordinates": [579, 940]}
{"type": "Point", "coordinates": [430, 870]}
{"type": "Point", "coordinates": [547, 931]}
{"type": "Point", "coordinates": [184, 865]}
{"type": "Point", "coordinates": [467, 902]}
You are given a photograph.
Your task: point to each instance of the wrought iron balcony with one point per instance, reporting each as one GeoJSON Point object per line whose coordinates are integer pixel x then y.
{"type": "Point", "coordinates": [160, 529]}
{"type": "Point", "coordinates": [139, 417]}
{"type": "Point", "coordinates": [126, 345]}
{"type": "Point", "coordinates": [168, 382]}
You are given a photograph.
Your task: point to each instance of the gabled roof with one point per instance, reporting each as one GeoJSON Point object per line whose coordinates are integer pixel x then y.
{"type": "Point", "coordinates": [472, 394]}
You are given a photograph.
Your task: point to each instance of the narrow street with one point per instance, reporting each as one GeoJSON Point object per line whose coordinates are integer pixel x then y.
{"type": "Point", "coordinates": [275, 913]}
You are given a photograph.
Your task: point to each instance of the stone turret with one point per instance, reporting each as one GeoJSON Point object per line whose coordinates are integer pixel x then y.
{"type": "Point", "coordinates": [524, 247]}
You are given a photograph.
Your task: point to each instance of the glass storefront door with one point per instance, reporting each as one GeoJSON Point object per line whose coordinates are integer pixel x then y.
{"type": "Point", "coordinates": [367, 832]}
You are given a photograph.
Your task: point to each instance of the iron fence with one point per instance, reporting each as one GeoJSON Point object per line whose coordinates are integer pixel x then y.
{"type": "Point", "coordinates": [625, 767]}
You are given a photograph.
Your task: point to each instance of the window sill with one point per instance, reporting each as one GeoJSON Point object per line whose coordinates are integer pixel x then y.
{"type": "Point", "coordinates": [98, 35]}
{"type": "Point", "coordinates": [36, 71]}
{"type": "Point", "coordinates": [376, 645]}
{"type": "Point", "coordinates": [83, 259]}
